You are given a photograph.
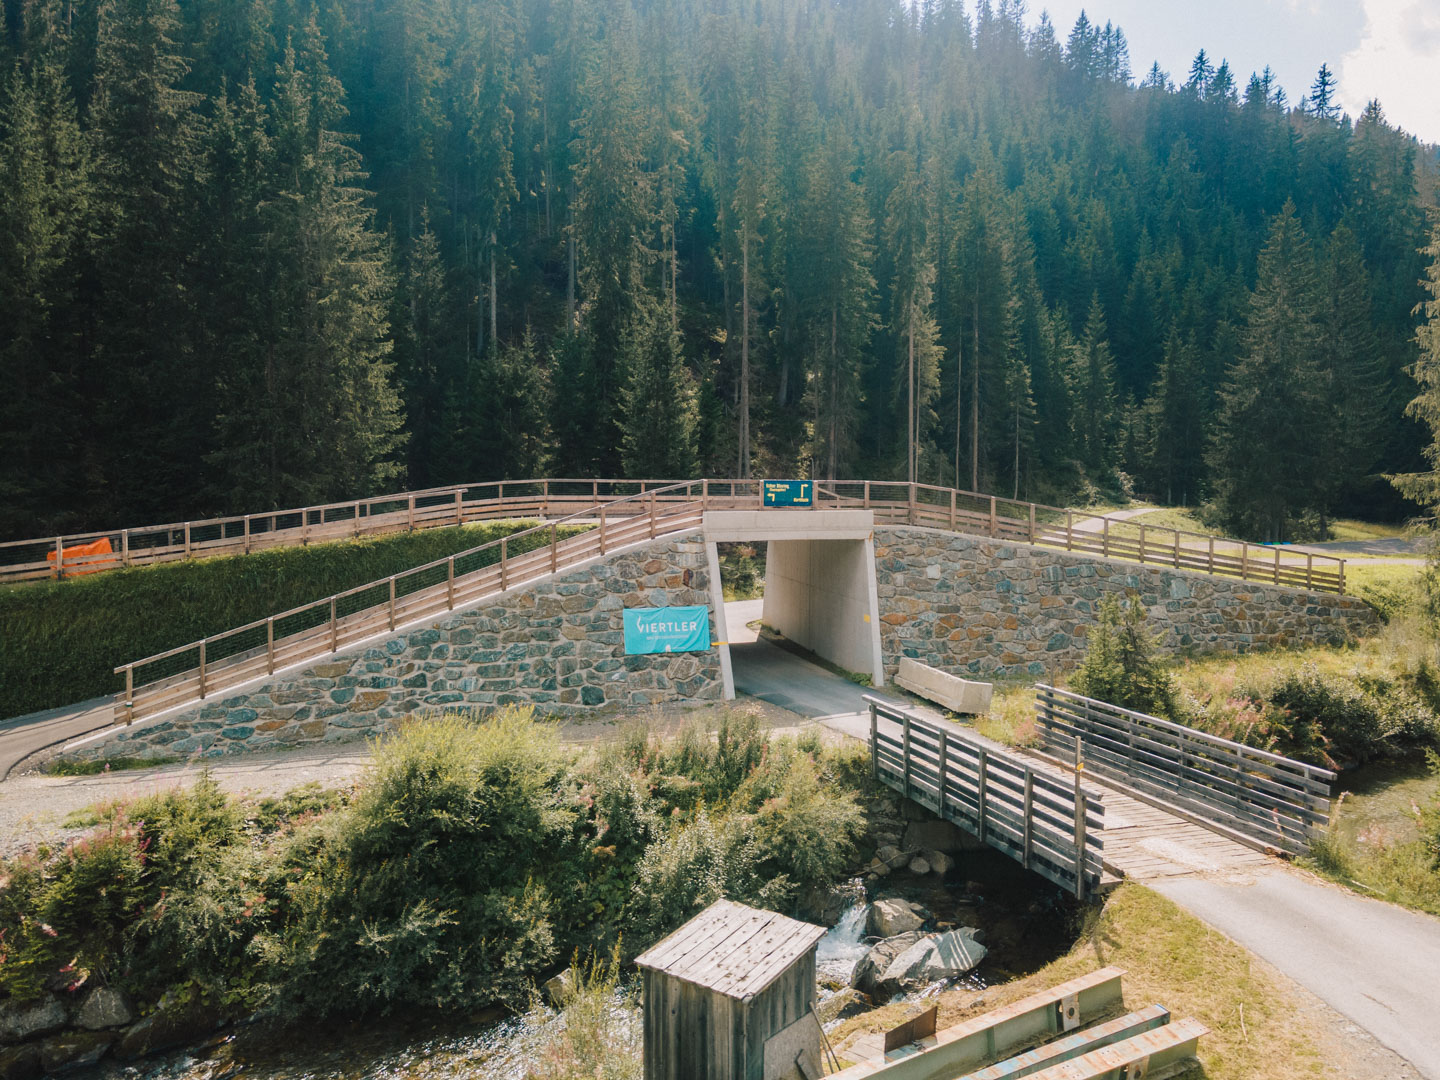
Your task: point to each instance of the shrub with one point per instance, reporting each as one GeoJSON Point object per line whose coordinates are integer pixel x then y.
{"type": "Point", "coordinates": [805, 833]}
{"type": "Point", "coordinates": [430, 890]}
{"type": "Point", "coordinates": [1121, 665]}
{"type": "Point", "coordinates": [599, 1034]}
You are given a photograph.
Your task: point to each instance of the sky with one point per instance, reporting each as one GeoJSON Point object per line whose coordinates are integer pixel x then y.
{"type": "Point", "coordinates": [1386, 49]}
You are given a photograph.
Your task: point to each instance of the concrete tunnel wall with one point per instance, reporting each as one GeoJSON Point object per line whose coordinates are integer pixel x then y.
{"type": "Point", "coordinates": [821, 595]}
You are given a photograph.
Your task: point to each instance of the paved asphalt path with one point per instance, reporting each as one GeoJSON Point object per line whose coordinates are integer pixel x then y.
{"type": "Point", "coordinates": [25, 735]}
{"type": "Point", "coordinates": [1375, 963]}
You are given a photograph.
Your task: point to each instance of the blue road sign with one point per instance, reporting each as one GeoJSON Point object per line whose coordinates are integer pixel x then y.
{"type": "Point", "coordinates": [788, 492]}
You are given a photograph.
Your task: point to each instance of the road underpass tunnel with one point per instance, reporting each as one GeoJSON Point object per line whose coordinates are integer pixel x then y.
{"type": "Point", "coordinates": [808, 577]}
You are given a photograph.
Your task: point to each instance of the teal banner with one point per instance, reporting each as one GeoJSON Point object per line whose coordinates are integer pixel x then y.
{"type": "Point", "coordinates": [667, 629]}
{"type": "Point", "coordinates": [788, 492]}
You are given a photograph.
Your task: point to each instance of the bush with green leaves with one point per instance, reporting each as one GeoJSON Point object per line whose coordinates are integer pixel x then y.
{"type": "Point", "coordinates": [472, 858]}
{"type": "Point", "coordinates": [1122, 665]}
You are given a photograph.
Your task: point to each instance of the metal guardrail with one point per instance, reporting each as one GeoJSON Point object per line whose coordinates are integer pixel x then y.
{"type": "Point", "coordinates": [1271, 799]}
{"type": "Point", "coordinates": [215, 664]}
{"type": "Point", "coordinates": [893, 503]}
{"type": "Point", "coordinates": [1043, 823]}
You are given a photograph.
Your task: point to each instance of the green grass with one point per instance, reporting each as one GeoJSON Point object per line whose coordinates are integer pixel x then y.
{"type": "Point", "coordinates": [65, 767]}
{"type": "Point", "coordinates": [1349, 529]}
{"type": "Point", "coordinates": [62, 640]}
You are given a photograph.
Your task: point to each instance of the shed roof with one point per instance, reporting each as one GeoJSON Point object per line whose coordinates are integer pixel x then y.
{"type": "Point", "coordinates": [732, 949]}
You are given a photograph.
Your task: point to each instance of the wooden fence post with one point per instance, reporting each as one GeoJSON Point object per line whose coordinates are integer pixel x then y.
{"type": "Point", "coordinates": [59, 557]}
{"type": "Point", "coordinates": [554, 549]}
{"type": "Point", "coordinates": [247, 534]}
{"type": "Point", "coordinates": [125, 546]}
{"type": "Point", "coordinates": [994, 521]}
{"type": "Point", "coordinates": [1029, 811]}
{"type": "Point", "coordinates": [270, 645]}
{"type": "Point", "coordinates": [1210, 560]}
{"type": "Point", "coordinates": [1079, 823]}
{"type": "Point", "coordinates": [392, 603]}
{"type": "Point", "coordinates": [1105, 542]}
{"type": "Point", "coordinates": [460, 506]}
{"type": "Point", "coordinates": [504, 555]}
{"type": "Point", "coordinates": [1309, 570]}
{"type": "Point", "coordinates": [952, 509]}
{"type": "Point", "coordinates": [1342, 577]}
{"type": "Point", "coordinates": [334, 628]}
{"type": "Point", "coordinates": [129, 694]}
{"type": "Point", "coordinates": [981, 771]}
{"type": "Point", "coordinates": [602, 528]}
{"type": "Point", "coordinates": [940, 784]}
{"type": "Point", "coordinates": [1177, 549]}
{"type": "Point", "coordinates": [905, 755]}
{"type": "Point", "coordinates": [652, 515]}
{"type": "Point", "coordinates": [187, 539]}
{"type": "Point", "coordinates": [450, 583]}
{"type": "Point", "coordinates": [411, 512]}
{"type": "Point", "coordinates": [1142, 543]}
{"type": "Point", "coordinates": [202, 667]}
{"type": "Point", "coordinates": [1277, 565]}
{"type": "Point", "coordinates": [1032, 523]}
{"type": "Point", "coordinates": [1069, 530]}
{"type": "Point", "coordinates": [867, 494]}
{"type": "Point", "coordinates": [874, 736]}
{"type": "Point", "coordinates": [910, 510]}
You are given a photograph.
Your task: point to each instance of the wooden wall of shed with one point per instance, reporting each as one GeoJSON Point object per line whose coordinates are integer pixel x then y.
{"type": "Point", "coordinates": [775, 1008]}
{"type": "Point", "coordinates": [695, 1034]}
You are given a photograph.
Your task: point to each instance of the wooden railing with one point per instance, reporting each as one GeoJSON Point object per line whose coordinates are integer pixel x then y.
{"type": "Point", "coordinates": [215, 664]}
{"type": "Point", "coordinates": [1043, 823]}
{"type": "Point", "coordinates": [1085, 533]}
{"type": "Point", "coordinates": [893, 503]}
{"type": "Point", "coordinates": [1272, 799]}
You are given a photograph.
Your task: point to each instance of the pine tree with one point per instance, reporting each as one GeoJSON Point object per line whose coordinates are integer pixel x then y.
{"type": "Point", "coordinates": [1424, 487]}
{"type": "Point", "coordinates": [317, 416]}
{"type": "Point", "coordinates": [658, 410]}
{"type": "Point", "coordinates": [613, 218]}
{"type": "Point", "coordinates": [1175, 423]}
{"type": "Point", "coordinates": [429, 357]}
{"type": "Point", "coordinates": [155, 418]}
{"type": "Point", "coordinates": [1322, 95]}
{"type": "Point", "coordinates": [45, 177]}
{"type": "Point", "coordinates": [1270, 429]}
{"type": "Point", "coordinates": [1092, 388]}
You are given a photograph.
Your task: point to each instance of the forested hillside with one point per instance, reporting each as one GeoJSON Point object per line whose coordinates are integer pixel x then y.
{"type": "Point", "coordinates": [263, 252]}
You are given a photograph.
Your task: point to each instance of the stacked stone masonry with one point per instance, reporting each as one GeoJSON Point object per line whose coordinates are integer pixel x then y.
{"type": "Point", "coordinates": [557, 645]}
{"type": "Point", "coordinates": [986, 607]}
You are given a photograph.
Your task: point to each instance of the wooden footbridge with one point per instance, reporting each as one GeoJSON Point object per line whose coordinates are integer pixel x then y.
{"type": "Point", "coordinates": [1150, 799]}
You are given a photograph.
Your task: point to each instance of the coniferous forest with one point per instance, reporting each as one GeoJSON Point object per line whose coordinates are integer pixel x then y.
{"type": "Point", "coordinates": [259, 253]}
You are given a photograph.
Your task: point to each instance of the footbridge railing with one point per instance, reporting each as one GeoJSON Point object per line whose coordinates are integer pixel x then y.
{"type": "Point", "coordinates": [215, 664]}
{"type": "Point", "coordinates": [1045, 824]}
{"type": "Point", "coordinates": [893, 503]}
{"type": "Point", "coordinates": [1277, 801]}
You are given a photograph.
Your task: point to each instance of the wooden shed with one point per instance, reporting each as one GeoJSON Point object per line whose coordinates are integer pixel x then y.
{"type": "Point", "coordinates": [731, 996]}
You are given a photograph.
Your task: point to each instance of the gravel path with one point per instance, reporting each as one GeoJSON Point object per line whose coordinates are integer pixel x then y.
{"type": "Point", "coordinates": [33, 807]}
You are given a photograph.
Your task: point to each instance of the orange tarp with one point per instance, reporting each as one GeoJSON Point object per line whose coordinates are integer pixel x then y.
{"type": "Point", "coordinates": [81, 551]}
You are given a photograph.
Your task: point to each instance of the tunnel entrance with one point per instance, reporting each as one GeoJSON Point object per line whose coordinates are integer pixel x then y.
{"type": "Point", "coordinates": [818, 589]}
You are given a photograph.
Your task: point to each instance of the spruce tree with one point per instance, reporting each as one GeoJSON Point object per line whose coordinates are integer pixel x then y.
{"type": "Point", "coordinates": [1424, 487]}
{"type": "Point", "coordinates": [658, 407]}
{"type": "Point", "coordinates": [1176, 419]}
{"type": "Point", "coordinates": [1271, 431]}
{"type": "Point", "coordinates": [1092, 387]}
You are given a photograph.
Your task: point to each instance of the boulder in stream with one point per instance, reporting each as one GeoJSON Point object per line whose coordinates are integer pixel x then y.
{"type": "Point", "coordinates": [886, 918]}
{"type": "Point", "coordinates": [915, 960]}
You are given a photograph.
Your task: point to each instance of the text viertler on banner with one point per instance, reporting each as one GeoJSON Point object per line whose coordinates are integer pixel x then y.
{"type": "Point", "coordinates": [667, 629]}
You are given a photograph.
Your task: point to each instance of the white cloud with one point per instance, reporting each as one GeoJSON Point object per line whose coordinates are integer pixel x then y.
{"type": "Point", "coordinates": [1398, 61]}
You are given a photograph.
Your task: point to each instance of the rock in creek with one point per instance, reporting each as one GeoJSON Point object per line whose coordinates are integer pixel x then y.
{"type": "Point", "coordinates": [73, 1049]}
{"type": "Point", "coordinates": [886, 918]}
{"type": "Point", "coordinates": [20, 1062]}
{"type": "Point", "coordinates": [914, 960]}
{"type": "Point", "coordinates": [24, 1021]}
{"type": "Point", "coordinates": [103, 1008]}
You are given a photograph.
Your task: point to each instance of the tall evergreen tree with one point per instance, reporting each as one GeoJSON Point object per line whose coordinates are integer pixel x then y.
{"type": "Point", "coordinates": [1271, 426]}
{"type": "Point", "coordinates": [1092, 388]}
{"type": "Point", "coordinates": [658, 410]}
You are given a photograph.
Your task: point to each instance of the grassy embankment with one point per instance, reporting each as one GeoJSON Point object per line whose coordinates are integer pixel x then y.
{"type": "Point", "coordinates": [62, 640]}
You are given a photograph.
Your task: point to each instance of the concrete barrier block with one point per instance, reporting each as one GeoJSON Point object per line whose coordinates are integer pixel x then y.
{"type": "Point", "coordinates": [954, 693]}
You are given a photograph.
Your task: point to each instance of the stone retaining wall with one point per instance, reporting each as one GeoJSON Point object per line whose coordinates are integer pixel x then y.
{"type": "Point", "coordinates": [987, 607]}
{"type": "Point", "coordinates": [557, 645]}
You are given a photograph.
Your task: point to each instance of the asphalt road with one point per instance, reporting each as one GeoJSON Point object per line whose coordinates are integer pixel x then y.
{"type": "Point", "coordinates": [25, 735]}
{"type": "Point", "coordinates": [1374, 962]}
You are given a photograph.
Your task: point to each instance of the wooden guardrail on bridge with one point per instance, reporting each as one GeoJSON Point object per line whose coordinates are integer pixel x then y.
{"type": "Point", "coordinates": [893, 503]}
{"type": "Point", "coordinates": [1275, 800]}
{"type": "Point", "coordinates": [1045, 824]}
{"type": "Point", "coordinates": [214, 664]}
